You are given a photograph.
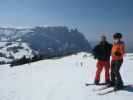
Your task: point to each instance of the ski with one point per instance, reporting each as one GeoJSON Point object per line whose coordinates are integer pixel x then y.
{"type": "Point", "coordinates": [102, 88]}
{"type": "Point", "coordinates": [114, 91]}
{"type": "Point", "coordinates": [108, 92]}
{"type": "Point", "coordinates": [88, 84]}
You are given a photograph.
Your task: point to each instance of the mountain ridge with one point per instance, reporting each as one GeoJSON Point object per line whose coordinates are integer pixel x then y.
{"type": "Point", "coordinates": [47, 41]}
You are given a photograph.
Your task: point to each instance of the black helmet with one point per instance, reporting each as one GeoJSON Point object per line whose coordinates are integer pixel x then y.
{"type": "Point", "coordinates": [117, 36]}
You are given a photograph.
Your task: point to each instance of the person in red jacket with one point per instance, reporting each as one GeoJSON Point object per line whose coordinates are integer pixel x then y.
{"type": "Point", "coordinates": [102, 53]}
{"type": "Point", "coordinates": [117, 53]}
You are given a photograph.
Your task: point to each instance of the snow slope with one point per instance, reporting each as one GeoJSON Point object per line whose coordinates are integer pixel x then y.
{"type": "Point", "coordinates": [59, 79]}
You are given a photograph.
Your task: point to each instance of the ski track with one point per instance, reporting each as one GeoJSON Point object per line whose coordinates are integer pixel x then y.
{"type": "Point", "coordinates": [60, 79]}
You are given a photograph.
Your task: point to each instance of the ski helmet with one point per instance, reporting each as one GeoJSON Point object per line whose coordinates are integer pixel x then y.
{"type": "Point", "coordinates": [117, 36]}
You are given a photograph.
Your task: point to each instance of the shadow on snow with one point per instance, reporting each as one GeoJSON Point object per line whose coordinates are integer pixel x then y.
{"type": "Point", "coordinates": [128, 88]}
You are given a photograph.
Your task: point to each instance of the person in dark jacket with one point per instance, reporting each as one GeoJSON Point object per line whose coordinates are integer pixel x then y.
{"type": "Point", "coordinates": [102, 53]}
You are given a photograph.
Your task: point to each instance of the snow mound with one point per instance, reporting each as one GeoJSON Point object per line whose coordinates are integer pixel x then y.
{"type": "Point", "coordinates": [14, 50]}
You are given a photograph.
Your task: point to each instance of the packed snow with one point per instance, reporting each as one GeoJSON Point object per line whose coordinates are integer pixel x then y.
{"type": "Point", "coordinates": [59, 79]}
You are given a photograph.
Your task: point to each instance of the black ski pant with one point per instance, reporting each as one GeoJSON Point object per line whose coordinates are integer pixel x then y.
{"type": "Point", "coordinates": [116, 79]}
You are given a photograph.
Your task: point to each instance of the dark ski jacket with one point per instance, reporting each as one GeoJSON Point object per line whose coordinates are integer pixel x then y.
{"type": "Point", "coordinates": [102, 51]}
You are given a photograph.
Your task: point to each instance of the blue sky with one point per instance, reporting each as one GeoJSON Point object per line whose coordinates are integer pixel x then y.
{"type": "Point", "coordinates": [90, 16]}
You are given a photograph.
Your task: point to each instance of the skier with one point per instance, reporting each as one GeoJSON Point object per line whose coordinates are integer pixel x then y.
{"type": "Point", "coordinates": [117, 60]}
{"type": "Point", "coordinates": [102, 53]}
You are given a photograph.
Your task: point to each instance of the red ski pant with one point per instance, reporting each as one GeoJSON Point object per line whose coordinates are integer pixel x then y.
{"type": "Point", "coordinates": [100, 66]}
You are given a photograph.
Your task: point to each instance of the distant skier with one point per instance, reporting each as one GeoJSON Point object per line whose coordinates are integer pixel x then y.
{"type": "Point", "coordinates": [117, 60]}
{"type": "Point", "coordinates": [102, 53]}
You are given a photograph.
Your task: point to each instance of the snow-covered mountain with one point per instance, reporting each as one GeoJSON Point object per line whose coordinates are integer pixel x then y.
{"type": "Point", "coordinates": [60, 79]}
{"type": "Point", "coordinates": [10, 51]}
{"type": "Point", "coordinates": [12, 34]}
{"type": "Point", "coordinates": [47, 41]}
